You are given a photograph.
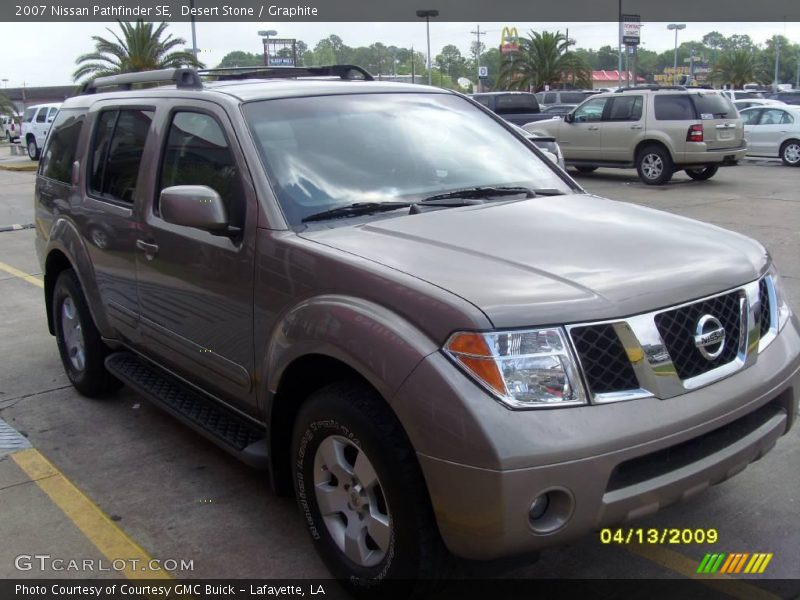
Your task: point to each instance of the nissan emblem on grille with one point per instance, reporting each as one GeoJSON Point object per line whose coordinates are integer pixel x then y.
{"type": "Point", "coordinates": [709, 337]}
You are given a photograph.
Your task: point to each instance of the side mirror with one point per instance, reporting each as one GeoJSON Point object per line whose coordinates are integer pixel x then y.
{"type": "Point", "coordinates": [569, 117]}
{"type": "Point", "coordinates": [195, 206]}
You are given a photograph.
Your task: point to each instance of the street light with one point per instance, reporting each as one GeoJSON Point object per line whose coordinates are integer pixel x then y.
{"type": "Point", "coordinates": [677, 27]}
{"type": "Point", "coordinates": [265, 35]}
{"type": "Point", "coordinates": [427, 14]}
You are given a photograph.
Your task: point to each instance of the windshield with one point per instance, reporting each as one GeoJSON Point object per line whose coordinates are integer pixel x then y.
{"type": "Point", "coordinates": [328, 151]}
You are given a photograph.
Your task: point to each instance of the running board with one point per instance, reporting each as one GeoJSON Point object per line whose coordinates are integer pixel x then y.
{"type": "Point", "coordinates": [222, 426]}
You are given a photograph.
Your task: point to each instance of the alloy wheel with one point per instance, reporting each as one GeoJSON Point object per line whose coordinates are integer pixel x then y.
{"type": "Point", "coordinates": [72, 333]}
{"type": "Point", "coordinates": [652, 166]}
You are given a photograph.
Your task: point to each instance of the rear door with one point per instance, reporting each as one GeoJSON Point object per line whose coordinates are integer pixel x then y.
{"type": "Point", "coordinates": [750, 119]}
{"type": "Point", "coordinates": [769, 132]}
{"type": "Point", "coordinates": [722, 128]}
{"type": "Point", "coordinates": [622, 126]}
{"type": "Point", "coordinates": [195, 288]}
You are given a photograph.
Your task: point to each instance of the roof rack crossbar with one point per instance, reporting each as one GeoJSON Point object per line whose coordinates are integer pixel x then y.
{"type": "Point", "coordinates": [651, 87]}
{"type": "Point", "coordinates": [183, 77]}
{"type": "Point", "coordinates": [340, 71]}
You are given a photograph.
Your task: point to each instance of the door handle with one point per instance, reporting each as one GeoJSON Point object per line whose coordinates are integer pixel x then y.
{"type": "Point", "coordinates": [636, 126]}
{"type": "Point", "coordinates": [593, 128]}
{"type": "Point", "coordinates": [150, 250]}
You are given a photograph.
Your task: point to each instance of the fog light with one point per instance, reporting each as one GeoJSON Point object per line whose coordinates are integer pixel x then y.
{"type": "Point", "coordinates": [538, 507]}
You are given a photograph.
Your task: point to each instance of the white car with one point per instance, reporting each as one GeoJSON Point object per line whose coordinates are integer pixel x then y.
{"type": "Point", "coordinates": [742, 94]}
{"type": "Point", "coordinates": [742, 104]}
{"type": "Point", "coordinates": [773, 131]}
{"type": "Point", "coordinates": [9, 127]}
{"type": "Point", "coordinates": [36, 122]}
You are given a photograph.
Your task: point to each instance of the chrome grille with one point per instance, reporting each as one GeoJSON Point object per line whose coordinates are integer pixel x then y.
{"type": "Point", "coordinates": [677, 329]}
{"type": "Point", "coordinates": [606, 366]}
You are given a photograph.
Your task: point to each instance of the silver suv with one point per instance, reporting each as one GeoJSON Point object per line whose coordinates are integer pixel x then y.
{"type": "Point", "coordinates": [657, 130]}
{"type": "Point", "coordinates": [389, 299]}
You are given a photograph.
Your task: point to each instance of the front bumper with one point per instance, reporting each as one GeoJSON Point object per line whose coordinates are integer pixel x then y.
{"type": "Point", "coordinates": [605, 464]}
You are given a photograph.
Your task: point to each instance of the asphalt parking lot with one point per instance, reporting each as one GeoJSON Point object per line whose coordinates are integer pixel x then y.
{"type": "Point", "coordinates": [173, 495]}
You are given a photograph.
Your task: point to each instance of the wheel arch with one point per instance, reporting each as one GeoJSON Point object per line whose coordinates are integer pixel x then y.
{"type": "Point", "coordinates": [652, 142]}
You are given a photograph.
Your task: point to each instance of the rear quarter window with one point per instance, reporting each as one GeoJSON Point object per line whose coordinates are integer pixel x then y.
{"type": "Point", "coordinates": [674, 107]}
{"type": "Point", "coordinates": [62, 144]}
{"type": "Point", "coordinates": [715, 105]}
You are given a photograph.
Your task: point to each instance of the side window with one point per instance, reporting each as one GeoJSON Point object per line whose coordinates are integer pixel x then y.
{"type": "Point", "coordinates": [62, 144]}
{"type": "Point", "coordinates": [626, 108]}
{"type": "Point", "coordinates": [591, 110]}
{"type": "Point", "coordinates": [771, 116]}
{"type": "Point", "coordinates": [197, 153]}
{"type": "Point", "coordinates": [28, 116]}
{"type": "Point", "coordinates": [787, 119]}
{"type": "Point", "coordinates": [540, 97]}
{"type": "Point", "coordinates": [750, 117]}
{"type": "Point", "coordinates": [549, 98]}
{"type": "Point", "coordinates": [117, 152]}
{"type": "Point", "coordinates": [509, 104]}
{"type": "Point", "coordinates": [41, 116]}
{"type": "Point", "coordinates": [51, 115]}
{"type": "Point", "coordinates": [674, 107]}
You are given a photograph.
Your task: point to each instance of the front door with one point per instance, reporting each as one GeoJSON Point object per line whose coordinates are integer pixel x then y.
{"type": "Point", "coordinates": [581, 138]}
{"type": "Point", "coordinates": [195, 288]}
{"type": "Point", "coordinates": [623, 127]}
{"type": "Point", "coordinates": [766, 135]}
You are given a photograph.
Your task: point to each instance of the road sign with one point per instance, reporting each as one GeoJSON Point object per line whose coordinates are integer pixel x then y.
{"type": "Point", "coordinates": [630, 30]}
{"type": "Point", "coordinates": [483, 71]}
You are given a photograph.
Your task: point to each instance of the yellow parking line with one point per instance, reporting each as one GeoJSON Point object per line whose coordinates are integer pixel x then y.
{"type": "Point", "coordinates": [687, 567]}
{"type": "Point", "coordinates": [20, 274]}
{"type": "Point", "coordinates": [109, 539]}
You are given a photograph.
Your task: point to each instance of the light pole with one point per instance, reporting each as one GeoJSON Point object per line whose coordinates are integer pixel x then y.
{"type": "Point", "coordinates": [427, 14]}
{"type": "Point", "coordinates": [677, 27]}
{"type": "Point", "coordinates": [265, 35]}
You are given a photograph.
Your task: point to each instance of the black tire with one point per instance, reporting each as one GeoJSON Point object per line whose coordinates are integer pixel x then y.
{"type": "Point", "coordinates": [354, 419]}
{"type": "Point", "coordinates": [586, 169]}
{"type": "Point", "coordinates": [33, 149]}
{"type": "Point", "coordinates": [703, 173]}
{"type": "Point", "coordinates": [790, 153]}
{"type": "Point", "coordinates": [654, 165]}
{"type": "Point", "coordinates": [87, 372]}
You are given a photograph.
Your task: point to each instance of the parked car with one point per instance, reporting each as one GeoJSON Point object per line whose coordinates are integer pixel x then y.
{"type": "Point", "coordinates": [656, 130]}
{"type": "Point", "coordinates": [742, 94]}
{"type": "Point", "coordinates": [36, 122]}
{"type": "Point", "coordinates": [558, 109]}
{"type": "Point", "coordinates": [515, 107]}
{"type": "Point", "coordinates": [10, 127]}
{"type": "Point", "coordinates": [546, 144]}
{"type": "Point", "coordinates": [563, 97]}
{"type": "Point", "coordinates": [436, 340]}
{"type": "Point", "coordinates": [742, 104]}
{"type": "Point", "coordinates": [773, 131]}
{"type": "Point", "coordinates": [787, 97]}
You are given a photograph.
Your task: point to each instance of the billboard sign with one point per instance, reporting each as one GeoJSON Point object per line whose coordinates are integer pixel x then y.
{"type": "Point", "coordinates": [630, 30]}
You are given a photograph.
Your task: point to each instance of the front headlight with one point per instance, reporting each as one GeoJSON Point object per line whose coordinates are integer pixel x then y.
{"type": "Point", "coordinates": [524, 369]}
{"type": "Point", "coordinates": [782, 310]}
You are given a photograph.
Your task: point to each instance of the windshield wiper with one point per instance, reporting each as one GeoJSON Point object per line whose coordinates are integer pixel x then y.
{"type": "Point", "coordinates": [483, 192]}
{"type": "Point", "coordinates": [355, 209]}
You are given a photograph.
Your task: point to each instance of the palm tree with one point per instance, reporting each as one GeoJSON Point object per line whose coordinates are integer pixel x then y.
{"type": "Point", "coordinates": [543, 59]}
{"type": "Point", "coordinates": [141, 48]}
{"type": "Point", "coordinates": [736, 67]}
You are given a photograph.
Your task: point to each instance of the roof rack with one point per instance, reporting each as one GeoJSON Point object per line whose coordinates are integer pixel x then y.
{"type": "Point", "coordinates": [649, 87]}
{"type": "Point", "coordinates": [347, 72]}
{"type": "Point", "coordinates": [183, 77]}
{"type": "Point", "coordinates": [188, 78]}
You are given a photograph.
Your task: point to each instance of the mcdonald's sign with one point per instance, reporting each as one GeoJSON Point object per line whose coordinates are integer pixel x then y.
{"type": "Point", "coordinates": [509, 40]}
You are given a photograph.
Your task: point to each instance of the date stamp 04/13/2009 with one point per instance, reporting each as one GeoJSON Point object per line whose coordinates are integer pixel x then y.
{"type": "Point", "coordinates": [676, 535]}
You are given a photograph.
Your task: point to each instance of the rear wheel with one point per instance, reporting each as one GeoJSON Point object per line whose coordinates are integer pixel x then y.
{"type": "Point", "coordinates": [790, 153]}
{"type": "Point", "coordinates": [654, 165]}
{"type": "Point", "coordinates": [82, 351]}
{"type": "Point", "coordinates": [702, 174]}
{"type": "Point", "coordinates": [362, 494]}
{"type": "Point", "coordinates": [586, 169]}
{"type": "Point", "coordinates": [33, 149]}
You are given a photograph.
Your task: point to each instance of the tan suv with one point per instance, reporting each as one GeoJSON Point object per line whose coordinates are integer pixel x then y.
{"type": "Point", "coordinates": [657, 130]}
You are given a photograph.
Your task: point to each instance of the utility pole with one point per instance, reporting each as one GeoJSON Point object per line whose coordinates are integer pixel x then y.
{"type": "Point", "coordinates": [412, 65]}
{"type": "Point", "coordinates": [619, 46]}
{"type": "Point", "coordinates": [478, 33]}
{"type": "Point", "coordinates": [777, 61]}
{"type": "Point", "coordinates": [797, 78]}
{"type": "Point", "coordinates": [194, 32]}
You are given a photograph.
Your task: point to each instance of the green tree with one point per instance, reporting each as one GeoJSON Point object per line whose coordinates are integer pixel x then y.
{"type": "Point", "coordinates": [141, 47]}
{"type": "Point", "coordinates": [607, 59]}
{"type": "Point", "coordinates": [451, 62]}
{"type": "Point", "coordinates": [736, 67]}
{"type": "Point", "coordinates": [6, 106]}
{"type": "Point", "coordinates": [544, 59]}
{"type": "Point", "coordinates": [238, 58]}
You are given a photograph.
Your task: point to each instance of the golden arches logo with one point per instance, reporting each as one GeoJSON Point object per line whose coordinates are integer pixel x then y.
{"type": "Point", "coordinates": [509, 40]}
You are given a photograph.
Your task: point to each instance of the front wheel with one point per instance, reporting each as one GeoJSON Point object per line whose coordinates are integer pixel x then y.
{"type": "Point", "coordinates": [361, 492]}
{"type": "Point", "coordinates": [702, 174]}
{"type": "Point", "coordinates": [790, 153]}
{"type": "Point", "coordinates": [82, 350]}
{"type": "Point", "coordinates": [654, 165]}
{"type": "Point", "coordinates": [33, 149]}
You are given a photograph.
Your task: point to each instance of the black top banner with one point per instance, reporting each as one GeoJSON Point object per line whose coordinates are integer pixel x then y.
{"type": "Point", "coordinates": [397, 10]}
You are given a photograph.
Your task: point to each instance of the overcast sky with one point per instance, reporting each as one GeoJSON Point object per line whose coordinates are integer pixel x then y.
{"type": "Point", "coordinates": [44, 53]}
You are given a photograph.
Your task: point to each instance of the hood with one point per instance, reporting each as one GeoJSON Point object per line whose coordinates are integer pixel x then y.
{"type": "Point", "coordinates": [554, 260]}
